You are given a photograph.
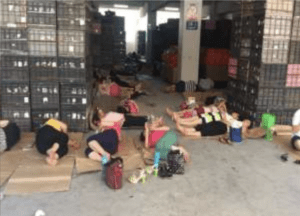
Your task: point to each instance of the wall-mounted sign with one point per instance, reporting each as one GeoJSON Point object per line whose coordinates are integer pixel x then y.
{"type": "Point", "coordinates": [191, 25]}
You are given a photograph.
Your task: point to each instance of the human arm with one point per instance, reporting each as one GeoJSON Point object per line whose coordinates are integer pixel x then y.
{"type": "Point", "coordinates": [296, 122]}
{"type": "Point", "coordinates": [146, 135]}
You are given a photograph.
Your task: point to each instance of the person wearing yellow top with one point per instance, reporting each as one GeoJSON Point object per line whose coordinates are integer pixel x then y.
{"type": "Point", "coordinates": [52, 140]}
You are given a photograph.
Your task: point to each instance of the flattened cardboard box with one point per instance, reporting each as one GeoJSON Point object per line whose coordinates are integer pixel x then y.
{"type": "Point", "coordinates": [35, 175]}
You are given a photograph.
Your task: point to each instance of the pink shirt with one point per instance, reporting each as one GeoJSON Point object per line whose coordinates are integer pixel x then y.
{"type": "Point", "coordinates": [154, 136]}
{"type": "Point", "coordinates": [114, 90]}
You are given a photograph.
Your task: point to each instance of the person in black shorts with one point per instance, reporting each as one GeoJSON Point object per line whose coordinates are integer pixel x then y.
{"type": "Point", "coordinates": [9, 135]}
{"type": "Point", "coordinates": [211, 128]}
{"type": "Point", "coordinates": [52, 140]}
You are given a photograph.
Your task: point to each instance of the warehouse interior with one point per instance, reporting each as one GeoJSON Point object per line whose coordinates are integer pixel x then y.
{"type": "Point", "coordinates": [59, 61]}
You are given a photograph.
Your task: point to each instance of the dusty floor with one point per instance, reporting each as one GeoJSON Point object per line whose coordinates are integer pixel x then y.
{"type": "Point", "coordinates": [247, 179]}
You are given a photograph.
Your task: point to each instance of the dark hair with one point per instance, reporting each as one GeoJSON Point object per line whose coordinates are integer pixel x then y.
{"type": "Point", "coordinates": [96, 118]}
{"type": "Point", "coordinates": [142, 136]}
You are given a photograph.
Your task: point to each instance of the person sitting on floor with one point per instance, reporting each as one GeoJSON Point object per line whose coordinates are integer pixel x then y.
{"type": "Point", "coordinates": [296, 131]}
{"type": "Point", "coordinates": [182, 86]}
{"type": "Point", "coordinates": [159, 136]}
{"type": "Point", "coordinates": [9, 135]}
{"type": "Point", "coordinates": [52, 140]}
{"type": "Point", "coordinates": [105, 142]}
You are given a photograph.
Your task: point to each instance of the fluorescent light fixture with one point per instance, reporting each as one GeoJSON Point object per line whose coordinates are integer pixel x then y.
{"type": "Point", "coordinates": [171, 9]}
{"type": "Point", "coordinates": [120, 6]}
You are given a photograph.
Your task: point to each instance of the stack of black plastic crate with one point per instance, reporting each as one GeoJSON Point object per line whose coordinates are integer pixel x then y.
{"type": "Point", "coordinates": [95, 34]}
{"type": "Point", "coordinates": [44, 85]}
{"type": "Point", "coordinates": [264, 47]}
{"type": "Point", "coordinates": [141, 38]}
{"type": "Point", "coordinates": [113, 44]}
{"type": "Point", "coordinates": [73, 63]}
{"type": "Point", "coordinates": [14, 76]}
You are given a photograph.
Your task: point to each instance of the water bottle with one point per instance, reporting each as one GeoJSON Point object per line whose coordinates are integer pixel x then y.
{"type": "Point", "coordinates": [104, 162]}
{"type": "Point", "coordinates": [156, 162]}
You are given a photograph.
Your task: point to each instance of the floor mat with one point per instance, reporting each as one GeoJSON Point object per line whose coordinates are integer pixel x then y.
{"type": "Point", "coordinates": [34, 175]}
{"type": "Point", "coordinates": [284, 143]}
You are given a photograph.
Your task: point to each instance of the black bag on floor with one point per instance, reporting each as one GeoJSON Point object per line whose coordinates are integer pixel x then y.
{"type": "Point", "coordinates": [176, 162]}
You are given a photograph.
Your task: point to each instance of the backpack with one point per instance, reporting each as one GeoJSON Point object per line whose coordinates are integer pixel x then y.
{"type": "Point", "coordinates": [114, 173]}
{"type": "Point", "coordinates": [176, 162]}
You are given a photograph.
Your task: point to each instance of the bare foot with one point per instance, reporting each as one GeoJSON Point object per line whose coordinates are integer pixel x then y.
{"type": "Point", "coordinates": [51, 159]}
{"type": "Point", "coordinates": [168, 110]}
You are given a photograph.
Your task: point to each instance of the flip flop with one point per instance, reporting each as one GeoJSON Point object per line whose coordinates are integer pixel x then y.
{"type": "Point", "coordinates": [135, 178]}
{"type": "Point", "coordinates": [224, 140]}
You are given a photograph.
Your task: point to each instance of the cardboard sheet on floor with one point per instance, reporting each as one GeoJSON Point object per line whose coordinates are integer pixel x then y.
{"type": "Point", "coordinates": [284, 143]}
{"type": "Point", "coordinates": [9, 162]}
{"type": "Point", "coordinates": [34, 175]}
{"type": "Point", "coordinates": [26, 142]}
{"type": "Point", "coordinates": [201, 96]}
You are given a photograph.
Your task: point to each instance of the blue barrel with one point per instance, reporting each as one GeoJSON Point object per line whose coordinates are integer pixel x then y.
{"type": "Point", "coordinates": [235, 134]}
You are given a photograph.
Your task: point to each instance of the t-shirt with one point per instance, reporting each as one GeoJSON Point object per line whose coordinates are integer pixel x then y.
{"type": "Point", "coordinates": [154, 136]}
{"type": "Point", "coordinates": [53, 123]}
{"type": "Point", "coordinates": [115, 90]}
{"type": "Point", "coordinates": [296, 122]}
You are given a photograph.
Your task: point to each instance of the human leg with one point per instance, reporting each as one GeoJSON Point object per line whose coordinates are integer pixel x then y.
{"type": "Point", "coordinates": [189, 122]}
{"type": "Point", "coordinates": [296, 143]}
{"type": "Point", "coordinates": [93, 155]}
{"type": "Point", "coordinates": [188, 131]}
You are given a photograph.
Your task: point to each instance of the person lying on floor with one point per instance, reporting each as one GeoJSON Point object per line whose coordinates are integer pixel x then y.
{"type": "Point", "coordinates": [182, 86]}
{"type": "Point", "coordinates": [193, 117]}
{"type": "Point", "coordinates": [105, 143]}
{"type": "Point", "coordinates": [9, 135]}
{"type": "Point", "coordinates": [130, 120]}
{"type": "Point", "coordinates": [52, 140]}
{"type": "Point", "coordinates": [296, 131]}
{"type": "Point", "coordinates": [112, 89]}
{"type": "Point", "coordinates": [162, 138]}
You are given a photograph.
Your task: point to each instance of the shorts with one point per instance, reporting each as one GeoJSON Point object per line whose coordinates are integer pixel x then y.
{"type": "Point", "coordinates": [108, 140]}
{"type": "Point", "coordinates": [200, 110]}
{"type": "Point", "coordinates": [212, 129]}
{"type": "Point", "coordinates": [13, 134]}
{"type": "Point", "coordinates": [47, 136]}
{"type": "Point", "coordinates": [294, 139]}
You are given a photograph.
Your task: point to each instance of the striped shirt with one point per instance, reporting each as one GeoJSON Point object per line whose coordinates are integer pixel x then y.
{"type": "Point", "coordinates": [3, 145]}
{"type": "Point", "coordinates": [190, 86]}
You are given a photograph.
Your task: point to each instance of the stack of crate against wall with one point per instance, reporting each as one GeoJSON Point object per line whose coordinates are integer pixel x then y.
{"type": "Point", "coordinates": [113, 45]}
{"type": "Point", "coordinates": [42, 60]}
{"type": "Point", "coordinates": [14, 76]}
{"type": "Point", "coordinates": [73, 63]}
{"type": "Point", "coordinates": [263, 45]}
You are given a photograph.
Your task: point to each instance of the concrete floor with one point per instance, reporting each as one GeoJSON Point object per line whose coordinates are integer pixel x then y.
{"type": "Point", "coordinates": [247, 179]}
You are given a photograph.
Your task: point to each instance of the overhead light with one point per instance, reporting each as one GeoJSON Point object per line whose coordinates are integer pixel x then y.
{"type": "Point", "coordinates": [120, 6]}
{"type": "Point", "coordinates": [171, 9]}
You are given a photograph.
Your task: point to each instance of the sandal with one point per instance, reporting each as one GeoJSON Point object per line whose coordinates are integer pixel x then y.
{"type": "Point", "coordinates": [135, 178]}
{"type": "Point", "coordinates": [224, 140]}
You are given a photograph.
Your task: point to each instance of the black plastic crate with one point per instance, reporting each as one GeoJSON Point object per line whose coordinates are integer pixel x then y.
{"type": "Point", "coordinates": [14, 67]}
{"type": "Point", "coordinates": [41, 13]}
{"type": "Point", "coordinates": [292, 98]}
{"type": "Point", "coordinates": [42, 35]}
{"type": "Point", "coordinates": [75, 119]}
{"type": "Point", "coordinates": [71, 15]}
{"type": "Point", "coordinates": [40, 116]}
{"type": "Point", "coordinates": [294, 57]}
{"type": "Point", "coordinates": [72, 75]}
{"type": "Point", "coordinates": [42, 48]}
{"type": "Point", "coordinates": [13, 13]}
{"type": "Point", "coordinates": [15, 93]}
{"type": "Point", "coordinates": [71, 49]}
{"type": "Point", "coordinates": [74, 95]}
{"type": "Point", "coordinates": [14, 47]}
{"type": "Point", "coordinates": [43, 68]}
{"type": "Point", "coordinates": [44, 95]}
{"type": "Point", "coordinates": [18, 114]}
{"type": "Point", "coordinates": [7, 34]}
